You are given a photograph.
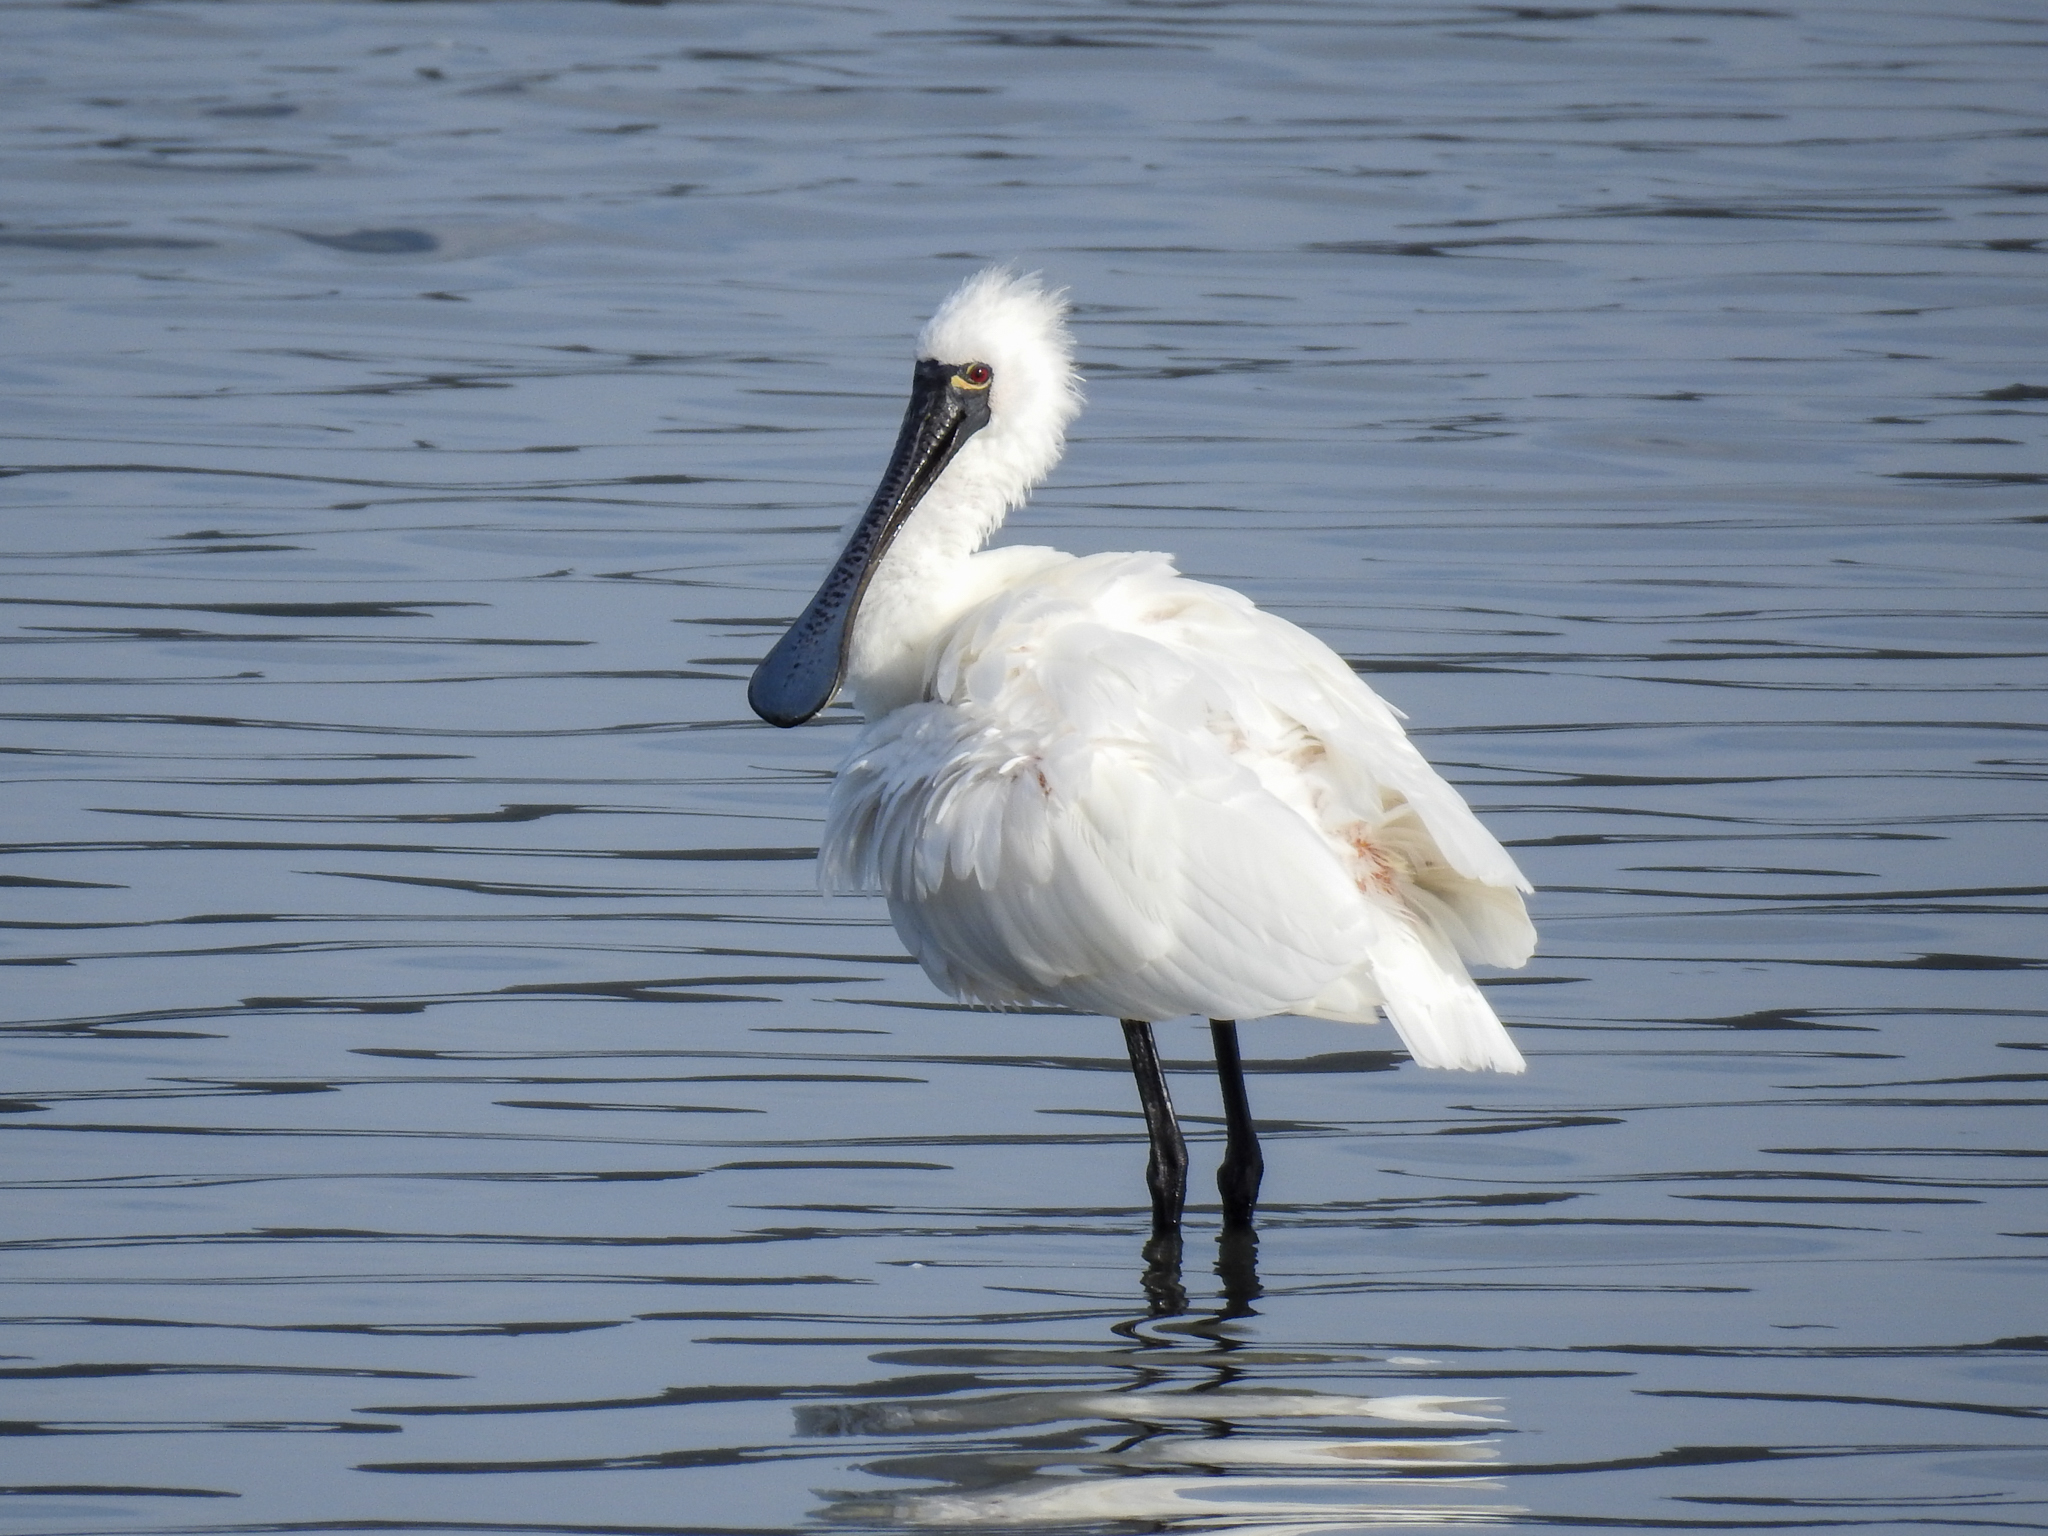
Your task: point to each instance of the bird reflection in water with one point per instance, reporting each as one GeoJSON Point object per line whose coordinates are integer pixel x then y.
{"type": "Point", "coordinates": [1191, 1438]}
{"type": "Point", "coordinates": [1237, 1267]}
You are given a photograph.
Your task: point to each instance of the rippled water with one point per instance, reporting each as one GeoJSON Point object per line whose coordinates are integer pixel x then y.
{"type": "Point", "coordinates": [439, 1099]}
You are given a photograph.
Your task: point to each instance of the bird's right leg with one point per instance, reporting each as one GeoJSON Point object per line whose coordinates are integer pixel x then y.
{"type": "Point", "coordinates": [1166, 1172]}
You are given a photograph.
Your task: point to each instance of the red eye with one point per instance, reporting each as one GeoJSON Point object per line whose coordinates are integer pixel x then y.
{"type": "Point", "coordinates": [977, 374]}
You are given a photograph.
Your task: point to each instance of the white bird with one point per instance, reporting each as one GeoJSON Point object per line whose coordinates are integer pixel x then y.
{"type": "Point", "coordinates": [1093, 782]}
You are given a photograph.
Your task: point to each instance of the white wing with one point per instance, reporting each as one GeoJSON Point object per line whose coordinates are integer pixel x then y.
{"type": "Point", "coordinates": [1138, 795]}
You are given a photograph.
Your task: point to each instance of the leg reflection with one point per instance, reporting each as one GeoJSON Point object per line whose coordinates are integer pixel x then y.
{"type": "Point", "coordinates": [1165, 1296]}
{"type": "Point", "coordinates": [1237, 1266]}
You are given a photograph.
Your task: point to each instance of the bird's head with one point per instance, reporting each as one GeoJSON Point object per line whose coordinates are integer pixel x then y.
{"type": "Point", "coordinates": [1004, 337]}
{"type": "Point", "coordinates": [990, 398]}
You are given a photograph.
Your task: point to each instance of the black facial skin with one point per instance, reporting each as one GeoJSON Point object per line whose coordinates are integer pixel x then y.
{"type": "Point", "coordinates": [948, 405]}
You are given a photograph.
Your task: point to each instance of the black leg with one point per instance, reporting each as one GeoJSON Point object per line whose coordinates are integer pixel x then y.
{"type": "Point", "coordinates": [1166, 1172]}
{"type": "Point", "coordinates": [1243, 1165]}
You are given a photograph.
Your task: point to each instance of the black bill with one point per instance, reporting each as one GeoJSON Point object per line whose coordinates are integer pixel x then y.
{"type": "Point", "coordinates": [799, 676]}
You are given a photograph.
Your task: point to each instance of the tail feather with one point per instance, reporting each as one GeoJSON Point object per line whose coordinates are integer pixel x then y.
{"type": "Point", "coordinates": [1439, 1013]}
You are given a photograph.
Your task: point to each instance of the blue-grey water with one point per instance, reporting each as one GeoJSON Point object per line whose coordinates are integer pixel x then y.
{"type": "Point", "coordinates": [438, 1099]}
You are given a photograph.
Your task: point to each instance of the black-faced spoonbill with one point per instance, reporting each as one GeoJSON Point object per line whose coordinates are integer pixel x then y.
{"type": "Point", "coordinates": [1094, 783]}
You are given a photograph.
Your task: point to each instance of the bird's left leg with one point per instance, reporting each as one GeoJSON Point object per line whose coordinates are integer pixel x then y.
{"type": "Point", "coordinates": [1166, 1172]}
{"type": "Point", "coordinates": [1243, 1164]}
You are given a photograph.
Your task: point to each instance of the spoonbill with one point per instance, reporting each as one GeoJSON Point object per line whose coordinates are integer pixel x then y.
{"type": "Point", "coordinates": [1095, 783]}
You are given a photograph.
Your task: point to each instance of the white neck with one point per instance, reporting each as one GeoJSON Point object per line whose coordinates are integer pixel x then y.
{"type": "Point", "coordinates": [928, 579]}
{"type": "Point", "coordinates": [920, 588]}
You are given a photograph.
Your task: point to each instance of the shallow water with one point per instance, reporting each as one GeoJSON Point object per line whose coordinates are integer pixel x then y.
{"type": "Point", "coordinates": [439, 1099]}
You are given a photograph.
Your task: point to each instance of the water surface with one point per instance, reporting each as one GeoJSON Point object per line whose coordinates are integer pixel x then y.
{"type": "Point", "coordinates": [439, 1098]}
